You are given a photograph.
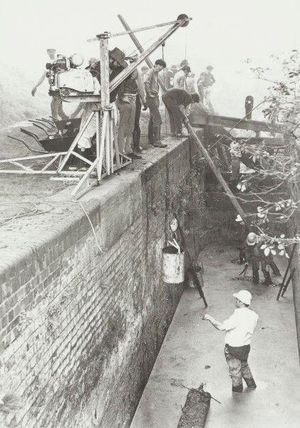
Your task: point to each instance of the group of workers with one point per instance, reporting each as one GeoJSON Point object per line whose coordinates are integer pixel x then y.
{"type": "Point", "coordinates": [182, 77]}
{"type": "Point", "coordinates": [251, 253]}
{"type": "Point", "coordinates": [139, 90]}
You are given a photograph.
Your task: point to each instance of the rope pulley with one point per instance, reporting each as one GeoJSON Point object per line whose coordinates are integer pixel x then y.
{"type": "Point", "coordinates": [184, 18]}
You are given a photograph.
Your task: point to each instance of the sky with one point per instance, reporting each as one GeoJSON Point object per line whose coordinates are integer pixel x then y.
{"type": "Point", "coordinates": [223, 33]}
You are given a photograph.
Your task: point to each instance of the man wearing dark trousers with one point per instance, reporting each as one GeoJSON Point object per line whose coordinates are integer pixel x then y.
{"type": "Point", "coordinates": [239, 328]}
{"type": "Point", "coordinates": [257, 258]}
{"type": "Point", "coordinates": [136, 135]}
{"type": "Point", "coordinates": [152, 101]}
{"type": "Point", "coordinates": [176, 101]}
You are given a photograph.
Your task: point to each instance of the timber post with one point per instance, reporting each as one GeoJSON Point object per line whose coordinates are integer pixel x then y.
{"type": "Point", "coordinates": [216, 171]}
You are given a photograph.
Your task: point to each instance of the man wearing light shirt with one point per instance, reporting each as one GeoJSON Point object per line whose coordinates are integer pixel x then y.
{"type": "Point", "coordinates": [239, 328]}
{"type": "Point", "coordinates": [56, 105]}
{"type": "Point", "coordinates": [180, 77]}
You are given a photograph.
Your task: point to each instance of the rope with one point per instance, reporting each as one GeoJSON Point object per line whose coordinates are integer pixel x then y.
{"type": "Point", "coordinates": [91, 224]}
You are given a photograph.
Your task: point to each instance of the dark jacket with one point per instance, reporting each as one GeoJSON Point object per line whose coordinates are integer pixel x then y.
{"type": "Point", "coordinates": [177, 96]}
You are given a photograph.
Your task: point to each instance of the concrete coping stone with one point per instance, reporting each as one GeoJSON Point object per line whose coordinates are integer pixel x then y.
{"type": "Point", "coordinates": [21, 244]}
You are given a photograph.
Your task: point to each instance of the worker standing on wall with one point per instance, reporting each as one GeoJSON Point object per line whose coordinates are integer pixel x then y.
{"type": "Point", "coordinates": [180, 77]}
{"type": "Point", "coordinates": [152, 101]}
{"type": "Point", "coordinates": [136, 135]}
{"type": "Point", "coordinates": [176, 101]}
{"type": "Point", "coordinates": [239, 328]}
{"type": "Point", "coordinates": [126, 103]}
{"type": "Point", "coordinates": [204, 83]}
{"type": "Point", "coordinates": [56, 106]}
{"type": "Point", "coordinates": [191, 84]}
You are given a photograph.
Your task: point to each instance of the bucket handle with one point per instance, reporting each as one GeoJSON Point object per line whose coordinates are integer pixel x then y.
{"type": "Point", "coordinates": [175, 244]}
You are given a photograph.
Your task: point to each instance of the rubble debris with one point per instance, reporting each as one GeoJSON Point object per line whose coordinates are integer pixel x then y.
{"type": "Point", "coordinates": [196, 408]}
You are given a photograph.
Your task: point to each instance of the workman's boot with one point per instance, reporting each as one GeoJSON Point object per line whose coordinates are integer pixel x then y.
{"type": "Point", "coordinates": [250, 383]}
{"type": "Point", "coordinates": [237, 388]}
{"type": "Point", "coordinates": [157, 142]}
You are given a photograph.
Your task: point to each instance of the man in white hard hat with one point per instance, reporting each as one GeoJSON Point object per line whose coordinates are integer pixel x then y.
{"type": "Point", "coordinates": [239, 328]}
{"type": "Point", "coordinates": [258, 259]}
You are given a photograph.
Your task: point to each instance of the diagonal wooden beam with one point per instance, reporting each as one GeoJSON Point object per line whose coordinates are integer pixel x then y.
{"type": "Point", "coordinates": [192, 133]}
{"type": "Point", "coordinates": [140, 48]}
{"type": "Point", "coordinates": [216, 171]}
{"type": "Point", "coordinates": [128, 70]}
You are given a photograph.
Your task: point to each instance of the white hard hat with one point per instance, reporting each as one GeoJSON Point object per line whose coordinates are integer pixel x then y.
{"type": "Point", "coordinates": [243, 296]}
{"type": "Point", "coordinates": [252, 239]}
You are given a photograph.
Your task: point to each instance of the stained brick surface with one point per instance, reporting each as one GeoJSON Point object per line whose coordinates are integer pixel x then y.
{"type": "Point", "coordinates": [80, 327]}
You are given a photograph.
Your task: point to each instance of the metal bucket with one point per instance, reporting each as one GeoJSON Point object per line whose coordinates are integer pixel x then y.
{"type": "Point", "coordinates": [173, 266]}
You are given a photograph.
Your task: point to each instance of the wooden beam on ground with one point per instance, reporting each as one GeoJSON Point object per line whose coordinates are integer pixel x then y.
{"type": "Point", "coordinates": [233, 122]}
{"type": "Point", "coordinates": [216, 171]}
{"type": "Point", "coordinates": [140, 48]}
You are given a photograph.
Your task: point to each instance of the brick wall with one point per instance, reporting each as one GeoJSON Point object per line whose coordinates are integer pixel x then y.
{"type": "Point", "coordinates": [81, 325]}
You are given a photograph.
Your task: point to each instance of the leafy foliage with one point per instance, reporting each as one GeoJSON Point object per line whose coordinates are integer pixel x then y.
{"type": "Point", "coordinates": [276, 170]}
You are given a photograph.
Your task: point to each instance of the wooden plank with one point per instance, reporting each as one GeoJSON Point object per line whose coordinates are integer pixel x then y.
{"type": "Point", "coordinates": [288, 281]}
{"type": "Point", "coordinates": [233, 122]}
{"type": "Point", "coordinates": [191, 267]}
{"type": "Point", "coordinates": [285, 283]}
{"type": "Point", "coordinates": [216, 171]}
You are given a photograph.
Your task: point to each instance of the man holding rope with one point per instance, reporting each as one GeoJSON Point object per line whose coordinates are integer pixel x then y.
{"type": "Point", "coordinates": [239, 328]}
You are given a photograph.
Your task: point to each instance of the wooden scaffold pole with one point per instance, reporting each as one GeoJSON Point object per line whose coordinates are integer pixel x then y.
{"type": "Point", "coordinates": [215, 170]}
{"type": "Point", "coordinates": [191, 131]}
{"type": "Point", "coordinates": [140, 48]}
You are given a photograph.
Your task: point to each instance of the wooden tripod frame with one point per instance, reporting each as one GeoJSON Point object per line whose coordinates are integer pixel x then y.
{"type": "Point", "coordinates": [108, 158]}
